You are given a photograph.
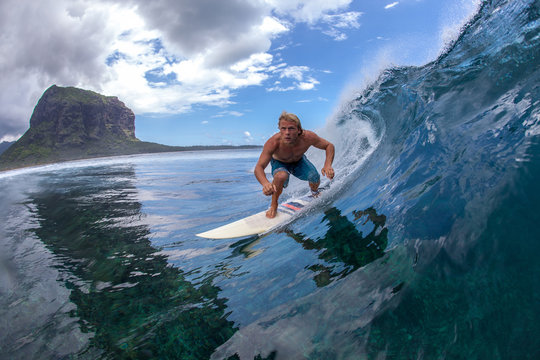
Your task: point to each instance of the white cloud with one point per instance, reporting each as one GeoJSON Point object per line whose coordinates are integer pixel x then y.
{"type": "Point", "coordinates": [328, 15]}
{"type": "Point", "coordinates": [309, 11]}
{"type": "Point", "coordinates": [320, 99]}
{"type": "Point", "coordinates": [247, 137]}
{"type": "Point", "coordinates": [162, 56]}
{"type": "Point", "coordinates": [301, 80]}
{"type": "Point", "coordinates": [389, 6]}
{"type": "Point", "coordinates": [308, 85]}
{"type": "Point", "coordinates": [9, 138]}
{"type": "Point", "coordinates": [228, 113]}
{"type": "Point", "coordinates": [294, 72]}
{"type": "Point", "coordinates": [278, 87]}
{"type": "Point", "coordinates": [273, 26]}
{"type": "Point", "coordinates": [344, 20]}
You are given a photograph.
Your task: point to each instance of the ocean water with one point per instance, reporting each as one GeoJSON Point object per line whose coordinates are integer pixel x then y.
{"type": "Point", "coordinates": [425, 246]}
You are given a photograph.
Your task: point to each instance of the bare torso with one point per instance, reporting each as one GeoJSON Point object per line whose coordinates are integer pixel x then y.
{"type": "Point", "coordinates": [291, 153]}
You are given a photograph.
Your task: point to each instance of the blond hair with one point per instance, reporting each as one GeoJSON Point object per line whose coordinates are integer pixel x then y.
{"type": "Point", "coordinates": [291, 118]}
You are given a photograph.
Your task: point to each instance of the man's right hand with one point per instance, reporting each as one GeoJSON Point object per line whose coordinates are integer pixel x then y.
{"type": "Point", "coordinates": [269, 189]}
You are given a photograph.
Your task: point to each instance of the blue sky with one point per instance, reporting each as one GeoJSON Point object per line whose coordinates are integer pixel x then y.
{"type": "Point", "coordinates": [214, 72]}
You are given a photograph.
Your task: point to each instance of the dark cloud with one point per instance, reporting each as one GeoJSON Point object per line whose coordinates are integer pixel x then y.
{"type": "Point", "coordinates": [12, 128]}
{"type": "Point", "coordinates": [41, 44]}
{"type": "Point", "coordinates": [53, 43]}
{"type": "Point", "coordinates": [194, 26]}
{"type": "Point", "coordinates": [225, 54]}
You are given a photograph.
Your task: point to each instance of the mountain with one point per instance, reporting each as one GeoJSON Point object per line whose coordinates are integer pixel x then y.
{"type": "Point", "coordinates": [70, 123]}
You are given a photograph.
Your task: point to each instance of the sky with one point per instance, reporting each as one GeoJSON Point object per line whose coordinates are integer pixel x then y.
{"type": "Point", "coordinates": [214, 72]}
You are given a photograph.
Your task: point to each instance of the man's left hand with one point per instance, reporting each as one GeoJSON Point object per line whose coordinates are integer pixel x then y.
{"type": "Point", "coordinates": [328, 172]}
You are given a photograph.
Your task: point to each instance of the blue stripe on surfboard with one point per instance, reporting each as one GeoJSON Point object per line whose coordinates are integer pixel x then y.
{"type": "Point", "coordinates": [286, 210]}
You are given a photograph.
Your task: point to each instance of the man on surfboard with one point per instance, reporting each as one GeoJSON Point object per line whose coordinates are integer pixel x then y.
{"type": "Point", "coordinates": [285, 151]}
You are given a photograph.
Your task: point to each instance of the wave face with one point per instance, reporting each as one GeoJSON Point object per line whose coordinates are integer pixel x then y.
{"type": "Point", "coordinates": [455, 131]}
{"type": "Point", "coordinates": [448, 179]}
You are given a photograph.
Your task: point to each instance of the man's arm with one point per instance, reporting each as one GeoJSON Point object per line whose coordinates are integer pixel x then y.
{"type": "Point", "coordinates": [329, 148]}
{"type": "Point", "coordinates": [264, 160]}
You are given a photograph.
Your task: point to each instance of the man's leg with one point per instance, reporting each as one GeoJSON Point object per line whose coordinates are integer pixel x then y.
{"type": "Point", "coordinates": [305, 170]}
{"type": "Point", "coordinates": [314, 188]}
{"type": "Point", "coordinates": [280, 178]}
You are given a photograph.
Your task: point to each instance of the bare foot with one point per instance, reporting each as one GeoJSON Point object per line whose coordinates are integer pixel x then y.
{"type": "Point", "coordinates": [314, 189]}
{"type": "Point", "coordinates": [271, 213]}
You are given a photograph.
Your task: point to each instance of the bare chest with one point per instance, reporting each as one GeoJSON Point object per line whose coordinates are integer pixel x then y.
{"type": "Point", "coordinates": [289, 154]}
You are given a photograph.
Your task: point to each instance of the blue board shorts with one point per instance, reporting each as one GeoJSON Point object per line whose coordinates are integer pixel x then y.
{"type": "Point", "coordinates": [302, 169]}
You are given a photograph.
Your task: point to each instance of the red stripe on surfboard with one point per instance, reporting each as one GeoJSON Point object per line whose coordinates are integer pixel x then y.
{"type": "Point", "coordinates": [291, 207]}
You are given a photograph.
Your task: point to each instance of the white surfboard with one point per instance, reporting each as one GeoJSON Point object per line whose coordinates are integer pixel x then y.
{"type": "Point", "coordinates": [258, 223]}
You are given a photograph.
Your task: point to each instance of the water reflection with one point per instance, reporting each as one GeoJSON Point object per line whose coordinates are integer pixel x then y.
{"type": "Point", "coordinates": [329, 323]}
{"type": "Point", "coordinates": [345, 243]}
{"type": "Point", "coordinates": [125, 292]}
{"type": "Point", "coordinates": [245, 247]}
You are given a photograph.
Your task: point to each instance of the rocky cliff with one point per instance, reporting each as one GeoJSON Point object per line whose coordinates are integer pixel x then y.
{"type": "Point", "coordinates": [70, 123]}
{"type": "Point", "coordinates": [72, 117]}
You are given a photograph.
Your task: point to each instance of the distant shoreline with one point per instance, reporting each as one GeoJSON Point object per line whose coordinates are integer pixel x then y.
{"type": "Point", "coordinates": [215, 147]}
{"type": "Point", "coordinates": [176, 149]}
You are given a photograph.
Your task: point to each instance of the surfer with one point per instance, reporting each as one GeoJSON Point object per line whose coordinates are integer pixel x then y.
{"type": "Point", "coordinates": [285, 151]}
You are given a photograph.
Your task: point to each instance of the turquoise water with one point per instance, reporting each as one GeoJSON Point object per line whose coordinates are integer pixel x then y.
{"type": "Point", "coordinates": [423, 247]}
{"type": "Point", "coordinates": [104, 254]}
